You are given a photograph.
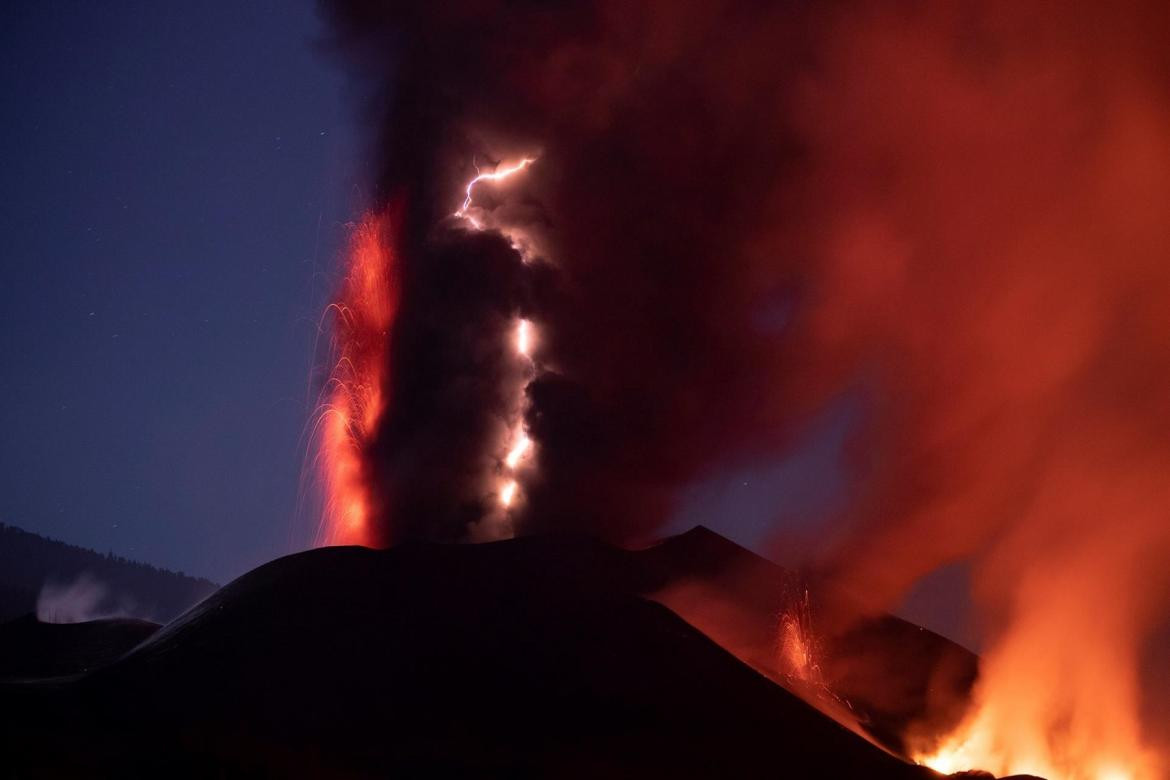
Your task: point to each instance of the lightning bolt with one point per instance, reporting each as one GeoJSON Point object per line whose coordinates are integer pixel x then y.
{"type": "Point", "coordinates": [518, 446]}
{"type": "Point", "coordinates": [499, 174]}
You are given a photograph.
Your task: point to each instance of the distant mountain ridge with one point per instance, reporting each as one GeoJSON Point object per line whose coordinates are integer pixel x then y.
{"type": "Point", "coordinates": [29, 562]}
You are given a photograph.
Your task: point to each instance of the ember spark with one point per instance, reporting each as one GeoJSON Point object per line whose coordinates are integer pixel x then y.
{"type": "Point", "coordinates": [364, 313]}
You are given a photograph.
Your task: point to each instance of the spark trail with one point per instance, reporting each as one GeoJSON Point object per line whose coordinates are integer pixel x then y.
{"type": "Point", "coordinates": [348, 420]}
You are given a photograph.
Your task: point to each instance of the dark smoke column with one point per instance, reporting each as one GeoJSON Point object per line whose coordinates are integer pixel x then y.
{"type": "Point", "coordinates": [622, 246]}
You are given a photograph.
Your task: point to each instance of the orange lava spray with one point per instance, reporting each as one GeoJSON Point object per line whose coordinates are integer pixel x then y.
{"type": "Point", "coordinates": [797, 646]}
{"type": "Point", "coordinates": [357, 389]}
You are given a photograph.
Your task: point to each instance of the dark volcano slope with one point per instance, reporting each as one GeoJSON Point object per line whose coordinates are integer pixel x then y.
{"type": "Point", "coordinates": [530, 658]}
{"type": "Point", "coordinates": [30, 648]}
{"type": "Point", "coordinates": [886, 675]}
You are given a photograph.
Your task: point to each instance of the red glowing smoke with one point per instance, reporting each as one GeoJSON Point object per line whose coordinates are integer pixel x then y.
{"type": "Point", "coordinates": [991, 253]}
{"type": "Point", "coordinates": [954, 211]}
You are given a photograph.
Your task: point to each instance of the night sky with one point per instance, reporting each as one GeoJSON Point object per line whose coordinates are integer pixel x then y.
{"type": "Point", "coordinates": [176, 184]}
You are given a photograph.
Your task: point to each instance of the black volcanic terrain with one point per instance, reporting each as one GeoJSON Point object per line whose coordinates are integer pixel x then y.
{"type": "Point", "coordinates": [540, 657]}
{"type": "Point", "coordinates": [32, 649]}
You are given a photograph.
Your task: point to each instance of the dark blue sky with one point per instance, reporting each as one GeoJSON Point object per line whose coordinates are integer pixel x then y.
{"type": "Point", "coordinates": [175, 184]}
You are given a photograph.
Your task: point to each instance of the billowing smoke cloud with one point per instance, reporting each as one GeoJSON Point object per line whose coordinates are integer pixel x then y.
{"type": "Point", "coordinates": [658, 311]}
{"type": "Point", "coordinates": [744, 210]}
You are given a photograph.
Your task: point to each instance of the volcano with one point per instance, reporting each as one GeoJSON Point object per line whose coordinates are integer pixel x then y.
{"type": "Point", "coordinates": [552, 656]}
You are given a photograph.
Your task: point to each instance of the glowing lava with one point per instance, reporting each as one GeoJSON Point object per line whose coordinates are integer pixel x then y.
{"type": "Point", "coordinates": [975, 745]}
{"type": "Point", "coordinates": [798, 656]}
{"type": "Point", "coordinates": [364, 312]}
{"type": "Point", "coordinates": [1052, 700]}
{"type": "Point", "coordinates": [795, 653]}
{"type": "Point", "coordinates": [1016, 735]}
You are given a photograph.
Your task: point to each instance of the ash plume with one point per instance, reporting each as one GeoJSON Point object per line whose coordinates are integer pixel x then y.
{"type": "Point", "coordinates": [646, 290]}
{"type": "Point", "coordinates": [745, 210]}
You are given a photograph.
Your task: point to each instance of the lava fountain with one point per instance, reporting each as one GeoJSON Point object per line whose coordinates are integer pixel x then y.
{"type": "Point", "coordinates": [356, 391]}
{"type": "Point", "coordinates": [797, 652]}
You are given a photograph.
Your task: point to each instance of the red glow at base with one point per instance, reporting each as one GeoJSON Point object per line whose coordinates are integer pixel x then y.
{"type": "Point", "coordinates": [364, 313]}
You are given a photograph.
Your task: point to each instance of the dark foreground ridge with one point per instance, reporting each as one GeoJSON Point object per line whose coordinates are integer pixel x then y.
{"type": "Point", "coordinates": [539, 657]}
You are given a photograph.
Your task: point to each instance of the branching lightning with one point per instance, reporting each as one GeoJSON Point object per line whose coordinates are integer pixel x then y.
{"type": "Point", "coordinates": [497, 175]}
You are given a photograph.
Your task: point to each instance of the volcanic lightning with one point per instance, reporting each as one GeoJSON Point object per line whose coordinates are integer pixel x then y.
{"type": "Point", "coordinates": [519, 449]}
{"type": "Point", "coordinates": [524, 337]}
{"type": "Point", "coordinates": [497, 175]}
{"type": "Point", "coordinates": [518, 446]}
{"type": "Point", "coordinates": [508, 492]}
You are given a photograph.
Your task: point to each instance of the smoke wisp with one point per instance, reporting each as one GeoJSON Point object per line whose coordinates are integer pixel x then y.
{"type": "Point", "coordinates": [83, 599]}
